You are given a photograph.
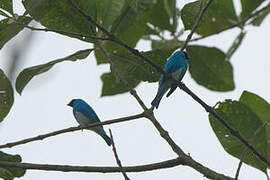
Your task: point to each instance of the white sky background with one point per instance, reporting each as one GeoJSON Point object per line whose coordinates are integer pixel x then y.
{"type": "Point", "coordinates": [42, 109]}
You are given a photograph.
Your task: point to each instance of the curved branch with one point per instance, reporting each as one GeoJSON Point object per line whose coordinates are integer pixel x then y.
{"type": "Point", "coordinates": [95, 169]}
{"type": "Point", "coordinates": [62, 131]}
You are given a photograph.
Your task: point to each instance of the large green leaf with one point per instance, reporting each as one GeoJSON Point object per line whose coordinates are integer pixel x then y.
{"type": "Point", "coordinates": [246, 116]}
{"type": "Point", "coordinates": [220, 15]}
{"type": "Point", "coordinates": [112, 86]}
{"type": "Point", "coordinates": [9, 28]}
{"type": "Point", "coordinates": [10, 173]}
{"type": "Point", "coordinates": [249, 5]}
{"type": "Point", "coordinates": [257, 104]}
{"type": "Point", "coordinates": [6, 5]}
{"type": "Point", "coordinates": [60, 15]}
{"type": "Point", "coordinates": [27, 74]}
{"type": "Point", "coordinates": [208, 68]}
{"type": "Point", "coordinates": [6, 96]}
{"type": "Point", "coordinates": [162, 15]}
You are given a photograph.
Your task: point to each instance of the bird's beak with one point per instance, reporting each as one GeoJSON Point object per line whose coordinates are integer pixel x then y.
{"type": "Point", "coordinates": [69, 104]}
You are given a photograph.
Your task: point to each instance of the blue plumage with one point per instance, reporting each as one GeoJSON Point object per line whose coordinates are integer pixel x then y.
{"type": "Point", "coordinates": [176, 66]}
{"type": "Point", "coordinates": [85, 115]}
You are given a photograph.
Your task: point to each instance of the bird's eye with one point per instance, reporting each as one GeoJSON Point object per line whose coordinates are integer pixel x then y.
{"type": "Point", "coordinates": [186, 56]}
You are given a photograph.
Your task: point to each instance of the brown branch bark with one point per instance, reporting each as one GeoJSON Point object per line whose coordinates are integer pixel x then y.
{"type": "Point", "coordinates": [117, 158]}
{"type": "Point", "coordinates": [62, 131]}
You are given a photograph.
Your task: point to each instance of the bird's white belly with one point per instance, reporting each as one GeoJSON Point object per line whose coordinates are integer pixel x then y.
{"type": "Point", "coordinates": [84, 121]}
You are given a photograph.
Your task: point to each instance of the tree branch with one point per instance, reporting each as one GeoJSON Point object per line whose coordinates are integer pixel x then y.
{"type": "Point", "coordinates": [67, 33]}
{"type": "Point", "coordinates": [240, 23]}
{"type": "Point", "coordinates": [196, 25]}
{"type": "Point", "coordinates": [95, 169]}
{"type": "Point", "coordinates": [117, 158]}
{"type": "Point", "coordinates": [256, 133]}
{"type": "Point", "coordinates": [43, 136]}
{"type": "Point", "coordinates": [180, 85]}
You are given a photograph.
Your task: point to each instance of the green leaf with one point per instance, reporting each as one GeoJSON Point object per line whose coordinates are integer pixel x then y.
{"type": "Point", "coordinates": [27, 74]}
{"type": "Point", "coordinates": [133, 69]}
{"type": "Point", "coordinates": [257, 104]}
{"type": "Point", "coordinates": [10, 173]}
{"type": "Point", "coordinates": [133, 4]}
{"type": "Point", "coordinates": [257, 21]}
{"type": "Point", "coordinates": [219, 16]}
{"type": "Point", "coordinates": [60, 15]}
{"type": "Point", "coordinates": [235, 45]}
{"type": "Point", "coordinates": [208, 68]}
{"type": "Point", "coordinates": [243, 119]}
{"type": "Point", "coordinates": [6, 96]}
{"type": "Point", "coordinates": [6, 5]}
{"type": "Point", "coordinates": [162, 12]}
{"type": "Point", "coordinates": [130, 66]}
{"type": "Point", "coordinates": [248, 6]}
{"type": "Point", "coordinates": [129, 27]}
{"type": "Point", "coordinates": [165, 44]}
{"type": "Point", "coordinates": [9, 28]}
{"type": "Point", "coordinates": [112, 86]}
{"type": "Point", "coordinates": [108, 11]}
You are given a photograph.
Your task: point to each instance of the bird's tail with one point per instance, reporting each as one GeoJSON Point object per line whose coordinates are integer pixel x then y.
{"type": "Point", "coordinates": [107, 139]}
{"type": "Point", "coordinates": [160, 93]}
{"type": "Point", "coordinates": [171, 90]}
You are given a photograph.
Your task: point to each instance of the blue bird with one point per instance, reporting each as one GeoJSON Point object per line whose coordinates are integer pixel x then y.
{"type": "Point", "coordinates": [85, 116]}
{"type": "Point", "coordinates": [176, 66]}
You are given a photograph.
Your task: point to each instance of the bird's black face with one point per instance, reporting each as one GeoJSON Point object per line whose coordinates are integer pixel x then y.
{"type": "Point", "coordinates": [186, 56]}
{"type": "Point", "coordinates": [71, 103]}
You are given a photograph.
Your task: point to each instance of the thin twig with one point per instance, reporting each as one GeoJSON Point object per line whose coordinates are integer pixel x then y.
{"type": "Point", "coordinates": [5, 14]}
{"type": "Point", "coordinates": [240, 23]}
{"type": "Point", "coordinates": [117, 158]}
{"type": "Point", "coordinates": [116, 73]}
{"type": "Point", "coordinates": [43, 136]}
{"type": "Point", "coordinates": [243, 156]}
{"type": "Point", "coordinates": [67, 33]}
{"type": "Point", "coordinates": [196, 24]}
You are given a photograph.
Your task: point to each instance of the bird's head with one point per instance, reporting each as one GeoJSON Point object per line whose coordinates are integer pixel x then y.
{"type": "Point", "coordinates": [181, 54]}
{"type": "Point", "coordinates": [71, 103]}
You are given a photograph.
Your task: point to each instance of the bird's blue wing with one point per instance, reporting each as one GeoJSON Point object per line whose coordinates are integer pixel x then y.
{"type": "Point", "coordinates": [87, 111]}
{"type": "Point", "coordinates": [171, 66]}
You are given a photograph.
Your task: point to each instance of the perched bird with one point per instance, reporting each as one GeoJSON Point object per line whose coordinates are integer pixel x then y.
{"type": "Point", "coordinates": [176, 66]}
{"type": "Point", "coordinates": [85, 116]}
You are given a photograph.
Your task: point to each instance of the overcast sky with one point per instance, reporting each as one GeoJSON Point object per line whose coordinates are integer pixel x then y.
{"type": "Point", "coordinates": [42, 109]}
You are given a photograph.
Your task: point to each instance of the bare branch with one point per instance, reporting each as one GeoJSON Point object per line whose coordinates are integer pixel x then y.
{"type": "Point", "coordinates": [117, 158]}
{"type": "Point", "coordinates": [43, 136]}
{"type": "Point", "coordinates": [67, 33]}
{"type": "Point", "coordinates": [95, 169]}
